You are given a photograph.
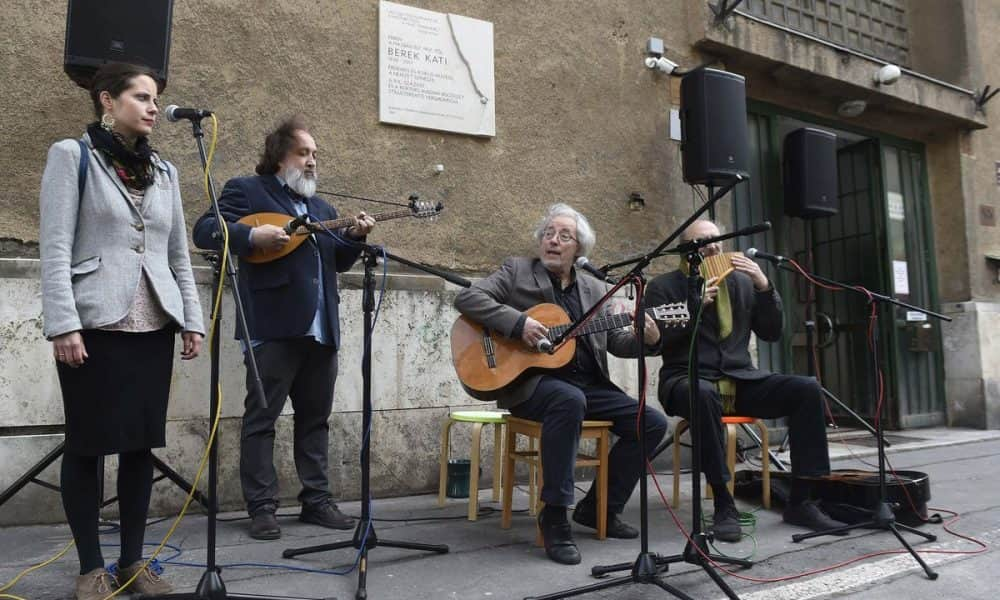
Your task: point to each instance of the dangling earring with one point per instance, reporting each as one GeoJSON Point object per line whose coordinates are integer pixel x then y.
{"type": "Point", "coordinates": [107, 122]}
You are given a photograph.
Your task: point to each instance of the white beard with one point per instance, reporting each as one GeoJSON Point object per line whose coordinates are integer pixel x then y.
{"type": "Point", "coordinates": [300, 182]}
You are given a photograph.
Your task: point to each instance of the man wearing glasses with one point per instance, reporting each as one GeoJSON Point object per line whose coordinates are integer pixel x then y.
{"type": "Point", "coordinates": [563, 398]}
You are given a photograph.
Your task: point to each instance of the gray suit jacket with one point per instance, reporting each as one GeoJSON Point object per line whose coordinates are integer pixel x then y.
{"type": "Point", "coordinates": [498, 301]}
{"type": "Point", "coordinates": [95, 247]}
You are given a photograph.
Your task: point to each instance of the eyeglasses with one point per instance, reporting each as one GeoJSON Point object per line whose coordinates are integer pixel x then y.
{"type": "Point", "coordinates": [564, 236]}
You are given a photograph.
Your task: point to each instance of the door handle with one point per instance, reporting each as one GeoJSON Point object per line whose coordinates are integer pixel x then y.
{"type": "Point", "coordinates": [825, 332]}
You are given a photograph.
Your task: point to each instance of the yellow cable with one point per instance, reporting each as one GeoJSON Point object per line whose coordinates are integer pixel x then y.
{"type": "Point", "coordinates": [11, 583]}
{"type": "Point", "coordinates": [215, 418]}
{"type": "Point", "coordinates": [218, 409]}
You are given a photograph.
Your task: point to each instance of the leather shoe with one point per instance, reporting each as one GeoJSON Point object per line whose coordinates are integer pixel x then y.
{"type": "Point", "coordinates": [559, 544]}
{"type": "Point", "coordinates": [326, 514]}
{"type": "Point", "coordinates": [586, 515]}
{"type": "Point", "coordinates": [264, 526]}
{"type": "Point", "coordinates": [726, 524]}
{"type": "Point", "coordinates": [809, 515]}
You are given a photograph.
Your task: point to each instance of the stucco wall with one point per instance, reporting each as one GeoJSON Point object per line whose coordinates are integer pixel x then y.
{"type": "Point", "coordinates": [413, 389]}
{"type": "Point", "coordinates": [578, 116]}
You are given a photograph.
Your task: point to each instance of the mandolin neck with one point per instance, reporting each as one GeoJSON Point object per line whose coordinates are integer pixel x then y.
{"type": "Point", "coordinates": [350, 221]}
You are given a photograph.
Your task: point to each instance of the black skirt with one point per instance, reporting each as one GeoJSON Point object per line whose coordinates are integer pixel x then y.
{"type": "Point", "coordinates": [117, 400]}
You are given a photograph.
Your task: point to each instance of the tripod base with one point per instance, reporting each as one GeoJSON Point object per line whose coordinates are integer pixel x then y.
{"type": "Point", "coordinates": [364, 540]}
{"type": "Point", "coordinates": [211, 587]}
{"type": "Point", "coordinates": [882, 518]}
{"type": "Point", "coordinates": [648, 566]}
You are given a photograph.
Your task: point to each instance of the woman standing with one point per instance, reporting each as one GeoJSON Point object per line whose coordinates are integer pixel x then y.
{"type": "Point", "coordinates": [116, 287]}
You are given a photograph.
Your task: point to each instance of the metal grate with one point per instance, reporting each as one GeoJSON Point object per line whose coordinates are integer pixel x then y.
{"type": "Point", "coordinates": [875, 27]}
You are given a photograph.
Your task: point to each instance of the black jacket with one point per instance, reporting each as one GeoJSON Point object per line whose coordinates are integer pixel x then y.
{"type": "Point", "coordinates": [281, 295]}
{"type": "Point", "coordinates": [759, 312]}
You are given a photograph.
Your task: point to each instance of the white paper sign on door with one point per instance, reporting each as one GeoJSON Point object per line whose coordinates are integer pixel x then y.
{"type": "Point", "coordinates": [900, 277]}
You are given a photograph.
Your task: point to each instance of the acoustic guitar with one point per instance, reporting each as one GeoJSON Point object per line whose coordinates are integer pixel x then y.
{"type": "Point", "coordinates": [298, 229]}
{"type": "Point", "coordinates": [486, 362]}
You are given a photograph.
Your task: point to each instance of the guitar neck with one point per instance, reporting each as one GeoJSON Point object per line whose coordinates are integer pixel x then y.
{"type": "Point", "coordinates": [352, 221]}
{"type": "Point", "coordinates": [597, 324]}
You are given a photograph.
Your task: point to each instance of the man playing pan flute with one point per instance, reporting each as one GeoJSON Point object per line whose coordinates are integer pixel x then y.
{"type": "Point", "coordinates": [736, 303]}
{"type": "Point", "coordinates": [563, 398]}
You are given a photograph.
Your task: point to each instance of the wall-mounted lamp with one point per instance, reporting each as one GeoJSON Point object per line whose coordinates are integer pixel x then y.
{"type": "Point", "coordinates": [636, 202]}
{"type": "Point", "coordinates": [887, 75]}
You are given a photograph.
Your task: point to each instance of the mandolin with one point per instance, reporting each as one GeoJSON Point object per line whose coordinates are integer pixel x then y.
{"type": "Point", "coordinates": [486, 362]}
{"type": "Point", "coordinates": [298, 229]}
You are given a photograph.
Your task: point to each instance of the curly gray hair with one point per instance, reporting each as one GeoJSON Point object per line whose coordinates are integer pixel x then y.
{"type": "Point", "coordinates": [584, 233]}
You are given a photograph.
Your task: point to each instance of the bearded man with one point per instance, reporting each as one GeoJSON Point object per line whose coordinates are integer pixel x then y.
{"type": "Point", "coordinates": [292, 321]}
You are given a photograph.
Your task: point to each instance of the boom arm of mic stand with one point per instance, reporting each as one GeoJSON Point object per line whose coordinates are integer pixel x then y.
{"type": "Point", "coordinates": [645, 259]}
{"type": "Point", "coordinates": [875, 295]}
{"type": "Point", "coordinates": [449, 277]}
{"type": "Point", "coordinates": [258, 386]}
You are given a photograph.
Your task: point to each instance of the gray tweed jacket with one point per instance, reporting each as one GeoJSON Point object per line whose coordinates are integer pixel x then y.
{"type": "Point", "coordinates": [95, 247]}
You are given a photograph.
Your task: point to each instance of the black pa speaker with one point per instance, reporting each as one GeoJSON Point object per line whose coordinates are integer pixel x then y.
{"type": "Point", "coordinates": [128, 31]}
{"type": "Point", "coordinates": [714, 127]}
{"type": "Point", "coordinates": [810, 173]}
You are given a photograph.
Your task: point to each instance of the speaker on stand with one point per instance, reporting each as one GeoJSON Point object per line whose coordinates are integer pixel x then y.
{"type": "Point", "coordinates": [809, 181]}
{"type": "Point", "coordinates": [127, 31]}
{"type": "Point", "coordinates": [714, 146]}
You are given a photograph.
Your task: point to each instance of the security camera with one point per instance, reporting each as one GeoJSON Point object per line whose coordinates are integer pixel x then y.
{"type": "Point", "coordinates": [887, 75]}
{"type": "Point", "coordinates": [661, 64]}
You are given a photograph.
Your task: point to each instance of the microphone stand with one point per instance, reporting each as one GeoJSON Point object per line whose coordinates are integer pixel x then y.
{"type": "Point", "coordinates": [811, 370]}
{"type": "Point", "coordinates": [365, 538]}
{"type": "Point", "coordinates": [211, 585]}
{"type": "Point", "coordinates": [647, 566]}
{"type": "Point", "coordinates": [882, 516]}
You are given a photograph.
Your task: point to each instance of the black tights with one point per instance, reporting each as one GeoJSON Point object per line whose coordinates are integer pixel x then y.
{"type": "Point", "coordinates": [81, 499]}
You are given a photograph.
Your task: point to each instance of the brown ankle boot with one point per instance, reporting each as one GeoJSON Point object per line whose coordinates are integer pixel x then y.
{"type": "Point", "coordinates": [146, 583]}
{"type": "Point", "coordinates": [95, 585]}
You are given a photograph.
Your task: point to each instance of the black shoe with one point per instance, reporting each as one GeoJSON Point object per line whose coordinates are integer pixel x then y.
{"type": "Point", "coordinates": [263, 526]}
{"type": "Point", "coordinates": [726, 524]}
{"type": "Point", "coordinates": [326, 514]}
{"type": "Point", "coordinates": [809, 515]}
{"type": "Point", "coordinates": [586, 515]}
{"type": "Point", "coordinates": [559, 544]}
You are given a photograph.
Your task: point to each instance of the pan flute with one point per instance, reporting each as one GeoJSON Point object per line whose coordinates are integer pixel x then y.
{"type": "Point", "coordinates": [718, 265]}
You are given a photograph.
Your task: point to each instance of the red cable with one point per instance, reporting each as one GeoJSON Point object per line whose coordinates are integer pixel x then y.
{"type": "Point", "coordinates": [873, 318]}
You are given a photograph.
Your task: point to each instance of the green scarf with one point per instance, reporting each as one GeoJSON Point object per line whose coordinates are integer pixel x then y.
{"type": "Point", "coordinates": [726, 386]}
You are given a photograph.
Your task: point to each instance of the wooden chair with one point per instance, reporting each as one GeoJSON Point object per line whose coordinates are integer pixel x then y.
{"type": "Point", "coordinates": [731, 423]}
{"type": "Point", "coordinates": [478, 418]}
{"type": "Point", "coordinates": [532, 430]}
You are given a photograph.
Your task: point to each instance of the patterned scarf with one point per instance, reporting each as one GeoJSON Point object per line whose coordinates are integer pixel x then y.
{"type": "Point", "coordinates": [133, 165]}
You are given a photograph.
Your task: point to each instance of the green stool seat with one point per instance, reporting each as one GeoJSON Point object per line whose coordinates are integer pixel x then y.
{"type": "Point", "coordinates": [478, 418]}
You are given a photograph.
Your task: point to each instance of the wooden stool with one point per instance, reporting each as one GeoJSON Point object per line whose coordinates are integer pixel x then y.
{"type": "Point", "coordinates": [731, 423]}
{"type": "Point", "coordinates": [596, 430]}
{"type": "Point", "coordinates": [478, 418]}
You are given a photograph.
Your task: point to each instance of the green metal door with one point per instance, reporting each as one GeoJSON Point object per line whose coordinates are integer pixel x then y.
{"type": "Point", "coordinates": [846, 247]}
{"type": "Point", "coordinates": [915, 340]}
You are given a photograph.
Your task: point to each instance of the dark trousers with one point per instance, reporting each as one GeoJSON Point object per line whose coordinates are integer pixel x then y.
{"type": "Point", "coordinates": [562, 407]}
{"type": "Point", "coordinates": [798, 398]}
{"type": "Point", "coordinates": [305, 371]}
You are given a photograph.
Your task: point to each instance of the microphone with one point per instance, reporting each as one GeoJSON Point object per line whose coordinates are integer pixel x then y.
{"type": "Point", "coordinates": [775, 258]}
{"type": "Point", "coordinates": [584, 264]}
{"type": "Point", "coordinates": [544, 345]}
{"type": "Point", "coordinates": [175, 113]}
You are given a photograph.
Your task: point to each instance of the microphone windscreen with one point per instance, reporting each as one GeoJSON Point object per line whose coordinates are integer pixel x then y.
{"type": "Point", "coordinates": [751, 252]}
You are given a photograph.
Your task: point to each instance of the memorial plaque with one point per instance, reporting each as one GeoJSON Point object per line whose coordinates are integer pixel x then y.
{"type": "Point", "coordinates": [436, 70]}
